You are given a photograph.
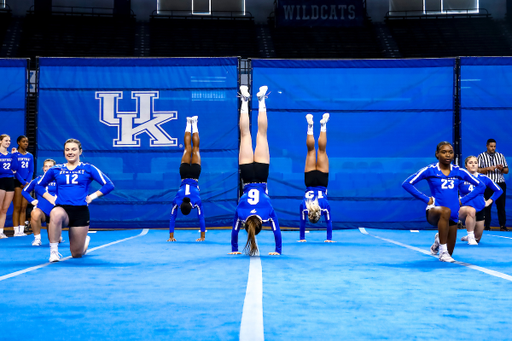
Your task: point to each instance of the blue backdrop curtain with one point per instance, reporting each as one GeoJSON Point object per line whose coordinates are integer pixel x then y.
{"type": "Point", "coordinates": [130, 115]}
{"type": "Point", "coordinates": [486, 111]}
{"type": "Point", "coordinates": [13, 94]}
{"type": "Point", "coordinates": [387, 116]}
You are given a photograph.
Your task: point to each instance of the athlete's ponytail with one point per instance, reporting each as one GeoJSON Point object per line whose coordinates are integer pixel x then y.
{"type": "Point", "coordinates": [186, 206]}
{"type": "Point", "coordinates": [253, 227]}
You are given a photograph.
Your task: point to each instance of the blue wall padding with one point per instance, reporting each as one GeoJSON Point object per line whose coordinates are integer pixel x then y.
{"type": "Point", "coordinates": [387, 116]}
{"type": "Point", "coordinates": [13, 93]}
{"type": "Point", "coordinates": [486, 111]}
{"type": "Point", "coordinates": [146, 177]}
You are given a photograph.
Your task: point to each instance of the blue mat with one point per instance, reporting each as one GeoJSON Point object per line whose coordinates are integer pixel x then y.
{"type": "Point", "coordinates": [382, 285]}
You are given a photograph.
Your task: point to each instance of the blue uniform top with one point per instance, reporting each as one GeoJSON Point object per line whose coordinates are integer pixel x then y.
{"type": "Point", "coordinates": [444, 188]}
{"type": "Point", "coordinates": [25, 167]}
{"type": "Point", "coordinates": [314, 193]}
{"type": "Point", "coordinates": [43, 204]}
{"type": "Point", "coordinates": [255, 201]}
{"type": "Point", "coordinates": [478, 203]}
{"type": "Point", "coordinates": [73, 185]}
{"type": "Point", "coordinates": [188, 188]}
{"type": "Point", "coordinates": [7, 165]}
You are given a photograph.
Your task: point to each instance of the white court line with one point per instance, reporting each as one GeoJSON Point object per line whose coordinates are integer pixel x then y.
{"type": "Point", "coordinates": [494, 235]}
{"type": "Point", "coordinates": [251, 327]}
{"type": "Point", "coordinates": [21, 272]}
{"type": "Point", "coordinates": [471, 266]}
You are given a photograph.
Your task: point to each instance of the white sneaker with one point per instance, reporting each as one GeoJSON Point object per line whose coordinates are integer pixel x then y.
{"type": "Point", "coordinates": [309, 118]}
{"type": "Point", "coordinates": [2, 236]}
{"type": "Point", "coordinates": [55, 256]}
{"type": "Point", "coordinates": [86, 245]}
{"type": "Point", "coordinates": [434, 249]}
{"type": "Point", "coordinates": [472, 241]}
{"type": "Point", "coordinates": [21, 234]}
{"type": "Point", "coordinates": [445, 257]}
{"type": "Point", "coordinates": [262, 93]}
{"type": "Point", "coordinates": [325, 118]}
{"type": "Point", "coordinates": [464, 239]}
{"type": "Point", "coordinates": [244, 92]}
{"type": "Point", "coordinates": [37, 242]}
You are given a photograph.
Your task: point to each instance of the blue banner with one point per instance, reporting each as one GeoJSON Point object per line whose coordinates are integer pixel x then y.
{"type": "Point", "coordinates": [13, 94]}
{"type": "Point", "coordinates": [387, 117]}
{"type": "Point", "coordinates": [130, 115]}
{"type": "Point", "coordinates": [486, 110]}
{"type": "Point", "coordinates": [334, 13]}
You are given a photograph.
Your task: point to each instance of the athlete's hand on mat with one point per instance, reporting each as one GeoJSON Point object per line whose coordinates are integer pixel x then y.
{"type": "Point", "coordinates": [171, 239]}
{"type": "Point", "coordinates": [200, 240]}
{"type": "Point", "coordinates": [329, 241]}
{"type": "Point", "coordinates": [274, 254]}
{"type": "Point", "coordinates": [301, 241]}
{"type": "Point", "coordinates": [488, 202]}
{"type": "Point", "coordinates": [235, 253]}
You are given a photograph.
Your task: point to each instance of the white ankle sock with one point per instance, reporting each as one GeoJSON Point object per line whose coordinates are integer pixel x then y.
{"type": "Point", "coordinates": [194, 126]}
{"type": "Point", "coordinates": [1, 230]}
{"type": "Point", "coordinates": [37, 236]}
{"type": "Point", "coordinates": [245, 107]}
{"type": "Point", "coordinates": [471, 234]}
{"type": "Point", "coordinates": [310, 129]}
{"type": "Point", "coordinates": [188, 129]}
{"type": "Point", "coordinates": [443, 248]}
{"type": "Point", "coordinates": [54, 247]}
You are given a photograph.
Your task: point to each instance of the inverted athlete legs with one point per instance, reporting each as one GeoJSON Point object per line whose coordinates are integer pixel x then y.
{"type": "Point", "coordinates": [322, 163]}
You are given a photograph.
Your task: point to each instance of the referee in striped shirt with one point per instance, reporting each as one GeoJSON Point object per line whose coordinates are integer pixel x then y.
{"type": "Point", "coordinates": [494, 165]}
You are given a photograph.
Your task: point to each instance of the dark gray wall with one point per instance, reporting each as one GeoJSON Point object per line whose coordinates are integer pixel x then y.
{"type": "Point", "coordinates": [260, 9]}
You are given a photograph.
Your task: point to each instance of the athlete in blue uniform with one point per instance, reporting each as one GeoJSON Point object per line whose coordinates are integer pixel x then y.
{"type": "Point", "coordinates": [72, 180]}
{"type": "Point", "coordinates": [443, 206]}
{"type": "Point", "coordinates": [42, 207]}
{"type": "Point", "coordinates": [316, 177]}
{"type": "Point", "coordinates": [188, 197]}
{"type": "Point", "coordinates": [7, 167]}
{"type": "Point", "coordinates": [23, 175]}
{"type": "Point", "coordinates": [473, 212]}
{"type": "Point", "coordinates": [254, 207]}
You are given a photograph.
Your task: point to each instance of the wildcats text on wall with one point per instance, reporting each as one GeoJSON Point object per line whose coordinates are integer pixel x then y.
{"type": "Point", "coordinates": [320, 13]}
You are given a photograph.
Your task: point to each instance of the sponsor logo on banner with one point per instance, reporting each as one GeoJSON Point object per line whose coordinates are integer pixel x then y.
{"type": "Point", "coordinates": [145, 119]}
{"type": "Point", "coordinates": [320, 13]}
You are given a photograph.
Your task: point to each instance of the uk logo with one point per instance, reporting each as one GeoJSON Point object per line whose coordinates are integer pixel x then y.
{"type": "Point", "coordinates": [130, 124]}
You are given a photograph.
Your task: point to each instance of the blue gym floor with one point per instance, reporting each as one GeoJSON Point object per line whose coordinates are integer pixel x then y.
{"type": "Point", "coordinates": [133, 285]}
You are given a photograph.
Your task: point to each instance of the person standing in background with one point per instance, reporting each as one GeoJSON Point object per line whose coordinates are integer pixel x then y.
{"type": "Point", "coordinates": [494, 165]}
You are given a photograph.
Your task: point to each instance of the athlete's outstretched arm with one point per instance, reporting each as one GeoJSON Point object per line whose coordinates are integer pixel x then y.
{"type": "Point", "coordinates": [172, 221]}
{"type": "Point", "coordinates": [234, 236]}
{"type": "Point", "coordinates": [302, 228]}
{"type": "Point", "coordinates": [328, 221]}
{"type": "Point", "coordinates": [202, 225]}
{"type": "Point", "coordinates": [277, 234]}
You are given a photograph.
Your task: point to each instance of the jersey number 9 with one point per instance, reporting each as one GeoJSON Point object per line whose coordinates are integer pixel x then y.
{"type": "Point", "coordinates": [254, 196]}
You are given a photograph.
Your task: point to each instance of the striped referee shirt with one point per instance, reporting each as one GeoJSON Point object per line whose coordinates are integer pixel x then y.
{"type": "Point", "coordinates": [488, 160]}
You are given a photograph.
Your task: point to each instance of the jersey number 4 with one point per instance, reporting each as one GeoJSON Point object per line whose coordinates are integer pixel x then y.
{"type": "Point", "coordinates": [311, 195]}
{"type": "Point", "coordinates": [447, 184]}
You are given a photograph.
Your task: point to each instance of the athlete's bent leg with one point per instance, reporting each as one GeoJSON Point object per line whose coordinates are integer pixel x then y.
{"type": "Point", "coordinates": [479, 230]}
{"type": "Point", "coordinates": [77, 240]}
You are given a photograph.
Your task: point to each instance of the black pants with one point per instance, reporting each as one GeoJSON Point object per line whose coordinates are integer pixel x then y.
{"type": "Point", "coordinates": [500, 205]}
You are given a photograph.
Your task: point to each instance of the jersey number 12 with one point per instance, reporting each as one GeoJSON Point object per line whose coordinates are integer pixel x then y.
{"type": "Point", "coordinates": [74, 179]}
